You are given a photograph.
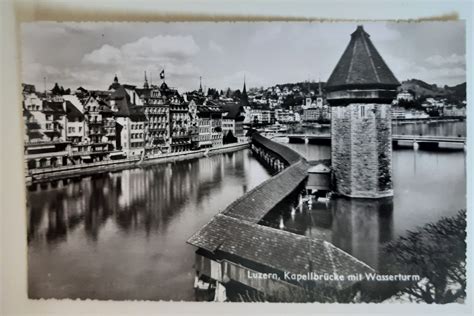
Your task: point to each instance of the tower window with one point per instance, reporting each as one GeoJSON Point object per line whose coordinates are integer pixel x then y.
{"type": "Point", "coordinates": [362, 111]}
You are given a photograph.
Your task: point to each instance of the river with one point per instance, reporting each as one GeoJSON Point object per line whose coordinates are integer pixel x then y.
{"type": "Point", "coordinates": [122, 235]}
{"type": "Point", "coordinates": [428, 185]}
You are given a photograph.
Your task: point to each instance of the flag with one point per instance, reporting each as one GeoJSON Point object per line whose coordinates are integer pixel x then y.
{"type": "Point", "coordinates": [162, 74]}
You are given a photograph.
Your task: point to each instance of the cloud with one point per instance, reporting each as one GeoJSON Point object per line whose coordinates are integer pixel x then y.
{"type": "Point", "coordinates": [151, 50]}
{"type": "Point", "coordinates": [170, 47]}
{"type": "Point", "coordinates": [173, 53]}
{"type": "Point", "coordinates": [214, 47]}
{"type": "Point", "coordinates": [438, 60]}
{"type": "Point", "coordinates": [405, 68]}
{"type": "Point", "coordinates": [106, 55]}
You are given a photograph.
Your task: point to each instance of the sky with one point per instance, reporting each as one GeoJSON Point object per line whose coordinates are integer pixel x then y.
{"type": "Point", "coordinates": [89, 54]}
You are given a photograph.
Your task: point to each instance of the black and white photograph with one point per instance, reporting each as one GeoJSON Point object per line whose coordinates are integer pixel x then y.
{"type": "Point", "coordinates": [269, 161]}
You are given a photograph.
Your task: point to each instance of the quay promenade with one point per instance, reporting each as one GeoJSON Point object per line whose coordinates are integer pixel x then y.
{"type": "Point", "coordinates": [234, 244]}
{"type": "Point", "coordinates": [70, 171]}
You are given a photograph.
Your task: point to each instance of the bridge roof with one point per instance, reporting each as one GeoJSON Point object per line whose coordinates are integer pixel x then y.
{"type": "Point", "coordinates": [254, 205]}
{"type": "Point", "coordinates": [361, 66]}
{"type": "Point", "coordinates": [286, 153]}
{"type": "Point", "coordinates": [277, 249]}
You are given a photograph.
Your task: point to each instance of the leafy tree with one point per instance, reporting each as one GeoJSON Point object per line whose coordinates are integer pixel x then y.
{"type": "Point", "coordinates": [56, 89]}
{"type": "Point", "coordinates": [229, 138]}
{"type": "Point", "coordinates": [237, 94]}
{"type": "Point", "coordinates": [437, 253]}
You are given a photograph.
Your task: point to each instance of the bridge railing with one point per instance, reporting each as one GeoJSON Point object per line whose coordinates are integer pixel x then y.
{"type": "Point", "coordinates": [256, 203]}
{"type": "Point", "coordinates": [287, 154]}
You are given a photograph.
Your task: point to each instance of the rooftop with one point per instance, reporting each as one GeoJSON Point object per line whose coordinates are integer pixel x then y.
{"type": "Point", "coordinates": [274, 248]}
{"type": "Point", "coordinates": [361, 66]}
{"type": "Point", "coordinates": [254, 205]}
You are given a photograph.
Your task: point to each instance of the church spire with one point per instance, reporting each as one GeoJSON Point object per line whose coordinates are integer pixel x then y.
{"type": "Point", "coordinates": [244, 98]}
{"type": "Point", "coordinates": [115, 85]}
{"type": "Point", "coordinates": [145, 84]}
{"type": "Point", "coordinates": [200, 84]}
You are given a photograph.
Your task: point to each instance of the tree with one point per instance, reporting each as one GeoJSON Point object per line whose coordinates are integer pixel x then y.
{"type": "Point", "coordinates": [56, 89]}
{"type": "Point", "coordinates": [59, 90]}
{"type": "Point", "coordinates": [289, 101]}
{"type": "Point", "coordinates": [237, 94]}
{"type": "Point", "coordinates": [437, 253]}
{"type": "Point", "coordinates": [229, 138]}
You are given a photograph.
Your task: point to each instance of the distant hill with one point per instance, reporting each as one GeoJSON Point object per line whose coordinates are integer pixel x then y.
{"type": "Point", "coordinates": [459, 90]}
{"type": "Point", "coordinates": [422, 89]}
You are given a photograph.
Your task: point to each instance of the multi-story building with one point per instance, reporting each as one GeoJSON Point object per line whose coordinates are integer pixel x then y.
{"type": "Point", "coordinates": [157, 124]}
{"type": "Point", "coordinates": [108, 125]}
{"type": "Point", "coordinates": [202, 130]}
{"type": "Point", "coordinates": [45, 135]}
{"type": "Point", "coordinates": [130, 124]}
{"type": "Point", "coordinates": [54, 127]}
{"type": "Point", "coordinates": [33, 115]}
{"type": "Point", "coordinates": [179, 125]}
{"type": "Point", "coordinates": [95, 146]}
{"type": "Point", "coordinates": [284, 116]}
{"type": "Point", "coordinates": [314, 109]}
{"type": "Point", "coordinates": [76, 124]}
{"type": "Point", "coordinates": [311, 114]}
{"type": "Point", "coordinates": [215, 114]}
{"type": "Point", "coordinates": [405, 95]}
{"type": "Point", "coordinates": [453, 110]}
{"type": "Point", "coordinates": [261, 115]}
{"type": "Point", "coordinates": [233, 121]}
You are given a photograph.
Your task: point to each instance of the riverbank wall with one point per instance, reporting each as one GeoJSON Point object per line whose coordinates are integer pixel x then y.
{"type": "Point", "coordinates": [72, 171]}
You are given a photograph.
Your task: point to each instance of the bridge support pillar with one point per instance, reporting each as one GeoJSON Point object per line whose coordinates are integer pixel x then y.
{"type": "Point", "coordinates": [220, 294]}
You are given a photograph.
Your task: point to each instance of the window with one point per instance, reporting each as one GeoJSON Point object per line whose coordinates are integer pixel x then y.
{"type": "Point", "coordinates": [383, 112]}
{"type": "Point", "coordinates": [49, 117]}
{"type": "Point", "coordinates": [48, 126]}
{"type": "Point", "coordinates": [362, 111]}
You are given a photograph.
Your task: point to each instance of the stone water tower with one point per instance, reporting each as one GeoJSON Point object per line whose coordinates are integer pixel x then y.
{"type": "Point", "coordinates": [360, 91]}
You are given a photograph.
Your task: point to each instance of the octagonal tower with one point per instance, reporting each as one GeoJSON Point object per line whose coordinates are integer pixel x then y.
{"type": "Point", "coordinates": [360, 91]}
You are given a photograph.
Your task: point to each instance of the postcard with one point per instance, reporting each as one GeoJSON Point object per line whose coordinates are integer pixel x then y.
{"type": "Point", "coordinates": [245, 161]}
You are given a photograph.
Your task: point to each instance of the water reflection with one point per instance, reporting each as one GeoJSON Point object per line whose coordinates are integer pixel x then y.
{"type": "Point", "coordinates": [430, 128]}
{"type": "Point", "coordinates": [135, 199]}
{"type": "Point", "coordinates": [361, 225]}
{"type": "Point", "coordinates": [122, 235]}
{"type": "Point", "coordinates": [427, 186]}
{"type": "Point", "coordinates": [358, 226]}
{"type": "Point", "coordinates": [456, 128]}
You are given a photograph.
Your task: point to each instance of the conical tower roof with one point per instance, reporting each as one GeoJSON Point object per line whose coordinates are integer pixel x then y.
{"type": "Point", "coordinates": [361, 66]}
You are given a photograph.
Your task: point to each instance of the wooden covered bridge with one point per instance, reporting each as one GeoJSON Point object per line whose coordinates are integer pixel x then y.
{"type": "Point", "coordinates": [235, 248]}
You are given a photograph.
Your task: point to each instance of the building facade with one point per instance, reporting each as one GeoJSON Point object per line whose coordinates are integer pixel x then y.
{"type": "Point", "coordinates": [157, 133]}
{"type": "Point", "coordinates": [179, 126]}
